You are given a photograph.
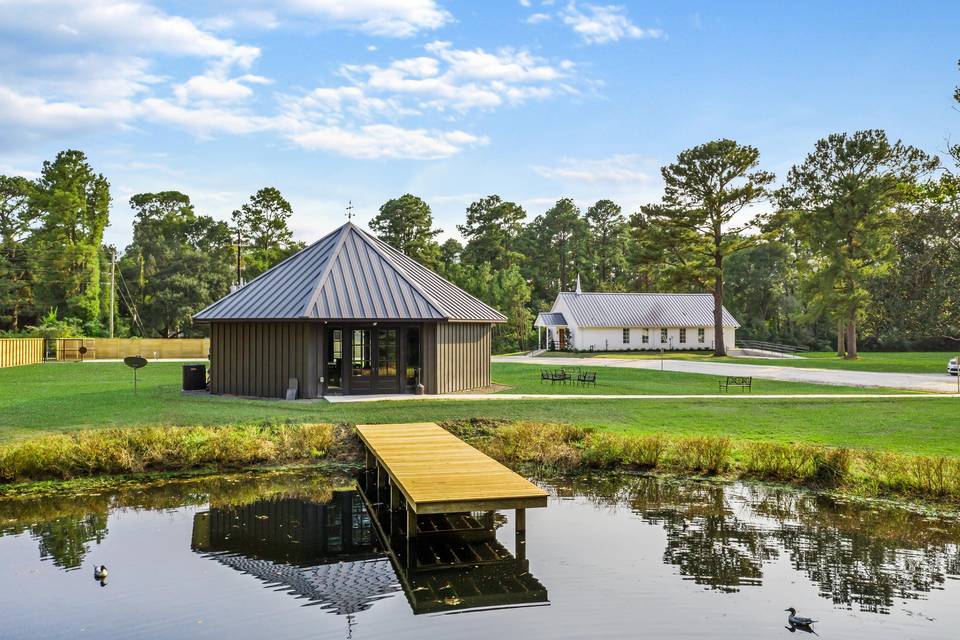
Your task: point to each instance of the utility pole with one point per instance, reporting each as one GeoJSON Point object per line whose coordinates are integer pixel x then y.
{"type": "Point", "coordinates": [113, 286]}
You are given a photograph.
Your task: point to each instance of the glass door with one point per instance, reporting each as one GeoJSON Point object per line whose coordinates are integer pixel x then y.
{"type": "Point", "coordinates": [361, 361]}
{"type": "Point", "coordinates": [411, 357]}
{"type": "Point", "coordinates": [334, 366]}
{"type": "Point", "coordinates": [387, 372]}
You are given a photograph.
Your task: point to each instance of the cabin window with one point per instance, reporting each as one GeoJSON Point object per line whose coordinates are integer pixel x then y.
{"type": "Point", "coordinates": [683, 335]}
{"type": "Point", "coordinates": [626, 336]}
{"type": "Point", "coordinates": [663, 336]}
{"type": "Point", "coordinates": [701, 335]}
{"type": "Point", "coordinates": [645, 336]}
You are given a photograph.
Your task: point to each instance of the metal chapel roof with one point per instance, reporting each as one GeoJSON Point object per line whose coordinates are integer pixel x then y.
{"type": "Point", "coordinates": [642, 309]}
{"type": "Point", "coordinates": [350, 275]}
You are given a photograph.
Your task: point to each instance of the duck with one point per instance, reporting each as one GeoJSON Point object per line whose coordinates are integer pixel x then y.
{"type": "Point", "coordinates": [798, 621]}
{"type": "Point", "coordinates": [100, 573]}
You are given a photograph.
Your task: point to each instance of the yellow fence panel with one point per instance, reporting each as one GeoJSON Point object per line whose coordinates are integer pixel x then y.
{"type": "Point", "coordinates": [19, 351]}
{"type": "Point", "coordinates": [149, 348]}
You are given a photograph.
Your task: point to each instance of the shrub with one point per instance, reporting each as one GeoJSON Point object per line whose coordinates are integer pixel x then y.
{"type": "Point", "coordinates": [551, 444]}
{"type": "Point", "coordinates": [776, 461]}
{"type": "Point", "coordinates": [644, 452]}
{"type": "Point", "coordinates": [111, 451]}
{"type": "Point", "coordinates": [707, 454]}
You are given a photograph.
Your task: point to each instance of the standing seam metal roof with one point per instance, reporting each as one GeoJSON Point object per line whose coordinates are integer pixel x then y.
{"type": "Point", "coordinates": [550, 319]}
{"type": "Point", "coordinates": [642, 309]}
{"type": "Point", "coordinates": [349, 275]}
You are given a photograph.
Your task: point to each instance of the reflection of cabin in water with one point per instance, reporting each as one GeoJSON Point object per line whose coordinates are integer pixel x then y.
{"type": "Point", "coordinates": [335, 556]}
{"type": "Point", "coordinates": [325, 553]}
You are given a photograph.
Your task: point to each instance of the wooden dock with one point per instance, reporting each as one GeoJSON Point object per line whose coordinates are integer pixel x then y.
{"type": "Point", "coordinates": [434, 472]}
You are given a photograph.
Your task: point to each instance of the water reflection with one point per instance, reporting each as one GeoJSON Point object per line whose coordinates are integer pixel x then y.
{"type": "Point", "coordinates": [456, 562]}
{"type": "Point", "coordinates": [313, 537]}
{"type": "Point", "coordinates": [323, 552]}
{"type": "Point", "coordinates": [722, 535]}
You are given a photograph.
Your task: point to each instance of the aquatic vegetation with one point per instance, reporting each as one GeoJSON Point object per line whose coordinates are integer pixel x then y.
{"type": "Point", "coordinates": [117, 451]}
{"type": "Point", "coordinates": [568, 448]}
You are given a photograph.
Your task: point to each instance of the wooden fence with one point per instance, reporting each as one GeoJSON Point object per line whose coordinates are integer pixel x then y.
{"type": "Point", "coordinates": [17, 351]}
{"type": "Point", "coordinates": [149, 348]}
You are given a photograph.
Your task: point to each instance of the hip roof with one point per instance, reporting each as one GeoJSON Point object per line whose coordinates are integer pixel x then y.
{"type": "Point", "coordinates": [350, 275]}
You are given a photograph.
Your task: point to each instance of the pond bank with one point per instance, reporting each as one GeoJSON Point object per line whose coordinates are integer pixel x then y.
{"type": "Point", "coordinates": [541, 445]}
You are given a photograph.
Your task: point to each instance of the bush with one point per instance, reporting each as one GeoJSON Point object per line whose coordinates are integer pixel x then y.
{"type": "Point", "coordinates": [707, 454]}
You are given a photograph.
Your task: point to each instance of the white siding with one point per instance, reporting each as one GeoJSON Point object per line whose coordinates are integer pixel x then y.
{"type": "Point", "coordinates": [611, 339]}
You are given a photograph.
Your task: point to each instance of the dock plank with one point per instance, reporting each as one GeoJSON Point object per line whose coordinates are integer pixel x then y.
{"type": "Point", "coordinates": [438, 472]}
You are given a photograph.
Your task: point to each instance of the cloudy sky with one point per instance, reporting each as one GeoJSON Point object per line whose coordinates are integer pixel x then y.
{"type": "Point", "coordinates": [363, 100]}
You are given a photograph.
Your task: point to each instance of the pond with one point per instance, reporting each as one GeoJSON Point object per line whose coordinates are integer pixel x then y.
{"type": "Point", "coordinates": [297, 555]}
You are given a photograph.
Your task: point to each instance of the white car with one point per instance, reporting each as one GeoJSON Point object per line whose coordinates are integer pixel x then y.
{"type": "Point", "coordinates": [952, 367]}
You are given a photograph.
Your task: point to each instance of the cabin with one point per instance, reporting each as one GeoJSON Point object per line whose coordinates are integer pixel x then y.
{"type": "Point", "coordinates": [348, 315]}
{"type": "Point", "coordinates": [591, 321]}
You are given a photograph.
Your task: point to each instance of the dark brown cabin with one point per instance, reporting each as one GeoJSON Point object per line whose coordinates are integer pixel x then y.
{"type": "Point", "coordinates": [348, 315]}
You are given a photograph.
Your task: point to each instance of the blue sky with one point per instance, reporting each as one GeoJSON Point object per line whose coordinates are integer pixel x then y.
{"type": "Point", "coordinates": [365, 100]}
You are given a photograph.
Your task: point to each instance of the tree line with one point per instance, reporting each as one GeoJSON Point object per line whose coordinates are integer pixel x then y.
{"type": "Point", "coordinates": [56, 272]}
{"type": "Point", "coordinates": [856, 245]}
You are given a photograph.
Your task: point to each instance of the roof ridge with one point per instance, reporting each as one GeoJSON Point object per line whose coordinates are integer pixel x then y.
{"type": "Point", "coordinates": [375, 242]}
{"type": "Point", "coordinates": [636, 293]}
{"type": "Point", "coordinates": [334, 252]}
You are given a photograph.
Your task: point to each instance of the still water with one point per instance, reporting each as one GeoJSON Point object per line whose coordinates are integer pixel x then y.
{"type": "Point", "coordinates": [297, 555]}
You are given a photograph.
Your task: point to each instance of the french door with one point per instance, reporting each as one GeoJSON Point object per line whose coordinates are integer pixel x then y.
{"type": "Point", "coordinates": [374, 360]}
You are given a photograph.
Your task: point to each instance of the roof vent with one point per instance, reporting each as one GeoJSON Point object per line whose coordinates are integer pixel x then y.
{"type": "Point", "coordinates": [578, 285]}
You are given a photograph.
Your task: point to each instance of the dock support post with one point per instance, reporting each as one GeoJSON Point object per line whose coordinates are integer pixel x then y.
{"type": "Point", "coordinates": [520, 540]}
{"type": "Point", "coordinates": [412, 528]}
{"type": "Point", "coordinates": [396, 503]}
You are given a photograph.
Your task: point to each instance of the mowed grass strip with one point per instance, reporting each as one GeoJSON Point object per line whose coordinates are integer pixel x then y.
{"type": "Point", "coordinates": [56, 398]}
{"type": "Point", "coordinates": [934, 362]}
{"type": "Point", "coordinates": [525, 378]}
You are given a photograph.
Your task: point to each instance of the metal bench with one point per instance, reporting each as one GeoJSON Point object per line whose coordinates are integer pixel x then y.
{"type": "Point", "coordinates": [744, 383]}
{"type": "Point", "coordinates": [587, 377]}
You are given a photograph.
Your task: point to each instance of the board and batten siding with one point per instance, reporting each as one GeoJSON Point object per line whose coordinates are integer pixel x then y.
{"type": "Point", "coordinates": [462, 356]}
{"type": "Point", "coordinates": [259, 358]}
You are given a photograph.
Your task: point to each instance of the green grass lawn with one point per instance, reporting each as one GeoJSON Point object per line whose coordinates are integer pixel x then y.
{"type": "Point", "coordinates": [62, 397]}
{"type": "Point", "coordinates": [894, 362]}
{"type": "Point", "coordinates": [525, 378]}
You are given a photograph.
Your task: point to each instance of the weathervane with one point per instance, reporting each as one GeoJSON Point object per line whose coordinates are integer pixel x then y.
{"type": "Point", "coordinates": [349, 209]}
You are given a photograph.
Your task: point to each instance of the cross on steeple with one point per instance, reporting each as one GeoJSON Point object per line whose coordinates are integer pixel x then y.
{"type": "Point", "coordinates": [350, 213]}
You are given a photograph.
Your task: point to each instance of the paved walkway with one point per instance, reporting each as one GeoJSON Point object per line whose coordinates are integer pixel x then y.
{"type": "Point", "coordinates": [930, 383]}
{"type": "Point", "coordinates": [402, 397]}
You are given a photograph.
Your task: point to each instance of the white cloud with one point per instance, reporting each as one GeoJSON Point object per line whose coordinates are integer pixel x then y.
{"type": "Point", "coordinates": [203, 121]}
{"type": "Point", "coordinates": [22, 114]}
{"type": "Point", "coordinates": [459, 79]}
{"type": "Point", "coordinates": [387, 141]}
{"type": "Point", "coordinates": [537, 18]}
{"type": "Point", "coordinates": [392, 18]}
{"type": "Point", "coordinates": [600, 24]}
{"type": "Point", "coordinates": [212, 87]}
{"type": "Point", "coordinates": [242, 18]}
{"type": "Point", "coordinates": [123, 25]}
{"type": "Point", "coordinates": [621, 168]}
